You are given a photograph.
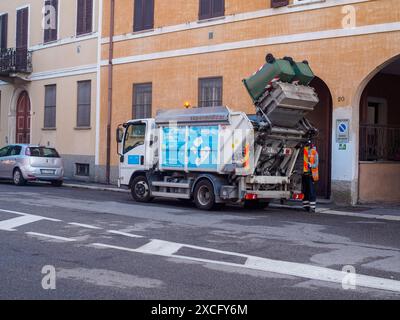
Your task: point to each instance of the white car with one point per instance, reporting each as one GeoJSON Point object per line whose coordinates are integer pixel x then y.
{"type": "Point", "coordinates": [25, 162]}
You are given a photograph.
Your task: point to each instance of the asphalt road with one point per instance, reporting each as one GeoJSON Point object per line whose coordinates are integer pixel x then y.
{"type": "Point", "coordinates": [103, 245]}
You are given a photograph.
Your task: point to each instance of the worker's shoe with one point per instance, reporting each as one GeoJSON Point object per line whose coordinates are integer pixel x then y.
{"type": "Point", "coordinates": [307, 209]}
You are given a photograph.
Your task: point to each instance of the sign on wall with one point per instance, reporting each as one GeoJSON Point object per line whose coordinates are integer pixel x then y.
{"type": "Point", "coordinates": [343, 131]}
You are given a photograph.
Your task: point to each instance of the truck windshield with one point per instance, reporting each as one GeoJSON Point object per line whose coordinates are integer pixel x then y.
{"type": "Point", "coordinates": [135, 136]}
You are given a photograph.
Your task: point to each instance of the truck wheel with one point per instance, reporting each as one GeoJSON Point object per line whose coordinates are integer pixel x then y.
{"type": "Point", "coordinates": [255, 204]}
{"type": "Point", "coordinates": [140, 189]}
{"type": "Point", "coordinates": [18, 178]}
{"type": "Point", "coordinates": [204, 196]}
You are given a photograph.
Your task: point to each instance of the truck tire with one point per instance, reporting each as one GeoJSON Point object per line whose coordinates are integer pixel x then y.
{"type": "Point", "coordinates": [255, 204]}
{"type": "Point", "coordinates": [140, 189]}
{"type": "Point", "coordinates": [18, 178]}
{"type": "Point", "coordinates": [204, 196]}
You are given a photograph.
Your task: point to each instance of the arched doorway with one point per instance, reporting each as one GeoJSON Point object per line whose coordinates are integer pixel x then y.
{"type": "Point", "coordinates": [321, 118]}
{"type": "Point", "coordinates": [23, 116]}
{"type": "Point", "coordinates": [379, 136]}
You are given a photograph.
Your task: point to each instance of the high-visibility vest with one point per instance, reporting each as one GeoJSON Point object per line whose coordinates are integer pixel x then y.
{"type": "Point", "coordinates": [311, 162]}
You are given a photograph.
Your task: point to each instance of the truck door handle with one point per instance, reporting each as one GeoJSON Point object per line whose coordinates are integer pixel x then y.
{"type": "Point", "coordinates": [141, 160]}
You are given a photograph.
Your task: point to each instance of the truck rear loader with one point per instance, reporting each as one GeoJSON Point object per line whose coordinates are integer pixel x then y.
{"type": "Point", "coordinates": [214, 156]}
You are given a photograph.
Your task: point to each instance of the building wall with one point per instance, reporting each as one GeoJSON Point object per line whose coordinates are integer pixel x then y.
{"type": "Point", "coordinates": [179, 50]}
{"type": "Point", "coordinates": [378, 184]}
{"type": "Point", "coordinates": [63, 62]}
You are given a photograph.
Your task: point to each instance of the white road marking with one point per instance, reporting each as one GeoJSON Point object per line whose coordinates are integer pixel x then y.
{"type": "Point", "coordinates": [28, 214]}
{"type": "Point", "coordinates": [11, 224]}
{"type": "Point", "coordinates": [130, 235]}
{"type": "Point", "coordinates": [88, 226]}
{"type": "Point", "coordinates": [168, 249]}
{"type": "Point", "coordinates": [42, 235]}
{"type": "Point", "coordinates": [160, 247]}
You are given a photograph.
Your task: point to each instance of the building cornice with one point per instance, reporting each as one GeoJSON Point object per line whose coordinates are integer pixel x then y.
{"type": "Point", "coordinates": [285, 39]}
{"type": "Point", "coordinates": [233, 18]}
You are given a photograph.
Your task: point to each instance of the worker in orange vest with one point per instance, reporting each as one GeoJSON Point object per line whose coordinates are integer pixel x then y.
{"type": "Point", "coordinates": [310, 177]}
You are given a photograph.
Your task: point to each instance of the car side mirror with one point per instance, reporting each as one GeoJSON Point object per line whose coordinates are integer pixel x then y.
{"type": "Point", "coordinates": [119, 135]}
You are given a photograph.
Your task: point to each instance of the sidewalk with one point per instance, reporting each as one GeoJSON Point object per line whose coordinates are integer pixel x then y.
{"type": "Point", "coordinates": [93, 186]}
{"type": "Point", "coordinates": [369, 211]}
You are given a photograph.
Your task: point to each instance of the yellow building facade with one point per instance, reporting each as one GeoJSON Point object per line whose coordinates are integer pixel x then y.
{"type": "Point", "coordinates": [59, 59]}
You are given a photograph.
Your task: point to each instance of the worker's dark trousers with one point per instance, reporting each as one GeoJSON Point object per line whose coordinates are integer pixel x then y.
{"type": "Point", "coordinates": [309, 191]}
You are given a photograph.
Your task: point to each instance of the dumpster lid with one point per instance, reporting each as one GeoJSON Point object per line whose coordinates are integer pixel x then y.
{"type": "Point", "coordinates": [206, 115]}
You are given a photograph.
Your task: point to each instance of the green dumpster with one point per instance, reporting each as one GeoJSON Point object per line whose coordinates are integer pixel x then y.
{"type": "Point", "coordinates": [303, 72]}
{"type": "Point", "coordinates": [274, 68]}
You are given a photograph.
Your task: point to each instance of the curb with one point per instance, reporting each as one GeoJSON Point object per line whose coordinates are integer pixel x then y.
{"type": "Point", "coordinates": [82, 186]}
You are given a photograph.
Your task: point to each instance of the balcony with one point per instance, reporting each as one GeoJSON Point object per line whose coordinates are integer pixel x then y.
{"type": "Point", "coordinates": [15, 64]}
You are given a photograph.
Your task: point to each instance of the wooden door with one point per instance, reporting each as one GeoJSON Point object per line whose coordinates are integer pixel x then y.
{"type": "Point", "coordinates": [23, 132]}
{"type": "Point", "coordinates": [321, 118]}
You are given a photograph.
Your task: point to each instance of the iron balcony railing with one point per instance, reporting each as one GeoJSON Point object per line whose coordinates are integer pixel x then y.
{"type": "Point", "coordinates": [379, 143]}
{"type": "Point", "coordinates": [15, 61]}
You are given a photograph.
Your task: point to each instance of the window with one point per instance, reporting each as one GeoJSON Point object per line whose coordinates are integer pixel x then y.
{"type": "Point", "coordinates": [51, 20]}
{"type": "Point", "coordinates": [84, 17]}
{"type": "Point", "coordinates": [3, 31]}
{"type": "Point", "coordinates": [22, 29]}
{"type": "Point", "coordinates": [50, 97]}
{"type": "Point", "coordinates": [84, 104]}
{"type": "Point", "coordinates": [15, 151]}
{"type": "Point", "coordinates": [42, 152]}
{"type": "Point", "coordinates": [143, 15]}
{"type": "Point", "coordinates": [279, 3]}
{"type": "Point", "coordinates": [210, 92]}
{"type": "Point", "coordinates": [211, 9]}
{"type": "Point", "coordinates": [142, 101]}
{"type": "Point", "coordinates": [135, 136]}
{"type": "Point", "coordinates": [4, 151]}
{"type": "Point", "coordinates": [82, 169]}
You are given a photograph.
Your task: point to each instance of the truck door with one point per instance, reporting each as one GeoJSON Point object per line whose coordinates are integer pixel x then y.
{"type": "Point", "coordinates": [133, 150]}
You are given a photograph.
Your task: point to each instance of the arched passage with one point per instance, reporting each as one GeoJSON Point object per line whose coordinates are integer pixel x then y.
{"type": "Point", "coordinates": [23, 116]}
{"type": "Point", "coordinates": [321, 118]}
{"type": "Point", "coordinates": [379, 135]}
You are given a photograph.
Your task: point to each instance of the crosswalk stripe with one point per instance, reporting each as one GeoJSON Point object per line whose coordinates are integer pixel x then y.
{"type": "Point", "coordinates": [42, 235]}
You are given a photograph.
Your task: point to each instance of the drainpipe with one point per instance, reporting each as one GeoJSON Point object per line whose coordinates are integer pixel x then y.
{"type": "Point", "coordinates": [110, 91]}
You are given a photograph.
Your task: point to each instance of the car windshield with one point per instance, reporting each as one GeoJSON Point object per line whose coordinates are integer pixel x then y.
{"type": "Point", "coordinates": [43, 152]}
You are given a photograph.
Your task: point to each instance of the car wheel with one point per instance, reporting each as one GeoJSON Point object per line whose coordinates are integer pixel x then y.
{"type": "Point", "coordinates": [204, 196]}
{"type": "Point", "coordinates": [140, 189]}
{"type": "Point", "coordinates": [18, 178]}
{"type": "Point", "coordinates": [57, 183]}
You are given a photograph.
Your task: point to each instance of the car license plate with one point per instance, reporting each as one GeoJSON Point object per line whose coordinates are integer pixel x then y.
{"type": "Point", "coordinates": [48, 171]}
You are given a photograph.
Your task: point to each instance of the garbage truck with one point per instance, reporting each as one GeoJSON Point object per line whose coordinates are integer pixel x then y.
{"type": "Point", "coordinates": [215, 155]}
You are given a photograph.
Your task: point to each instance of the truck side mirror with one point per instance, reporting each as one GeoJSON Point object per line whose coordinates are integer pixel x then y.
{"type": "Point", "coordinates": [119, 135]}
